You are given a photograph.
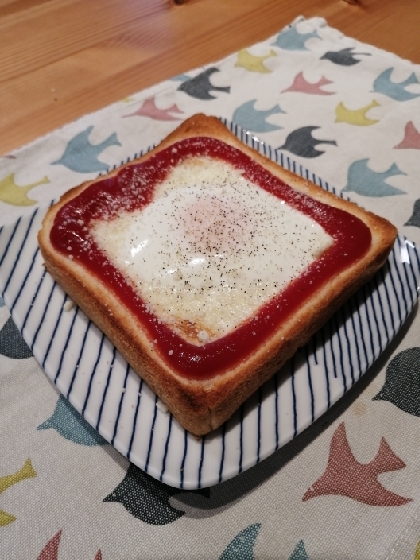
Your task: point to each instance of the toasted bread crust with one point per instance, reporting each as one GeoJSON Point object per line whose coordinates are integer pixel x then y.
{"type": "Point", "coordinates": [201, 406]}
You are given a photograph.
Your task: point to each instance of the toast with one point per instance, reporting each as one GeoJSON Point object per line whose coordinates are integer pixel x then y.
{"type": "Point", "coordinates": [208, 265]}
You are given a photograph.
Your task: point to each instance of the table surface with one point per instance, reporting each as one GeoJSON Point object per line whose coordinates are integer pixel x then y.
{"type": "Point", "coordinates": [61, 59]}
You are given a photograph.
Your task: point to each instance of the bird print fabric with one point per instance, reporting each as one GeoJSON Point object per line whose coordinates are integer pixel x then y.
{"type": "Point", "coordinates": [346, 112]}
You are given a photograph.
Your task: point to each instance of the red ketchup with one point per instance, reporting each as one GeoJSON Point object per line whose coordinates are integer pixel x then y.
{"type": "Point", "coordinates": [132, 189]}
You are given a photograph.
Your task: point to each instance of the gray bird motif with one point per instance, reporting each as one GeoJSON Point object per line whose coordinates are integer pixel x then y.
{"type": "Point", "coordinates": [402, 382]}
{"type": "Point", "coordinates": [414, 219]}
{"type": "Point", "coordinates": [147, 499]}
{"type": "Point", "coordinates": [343, 57]}
{"type": "Point", "coordinates": [200, 86]}
{"type": "Point", "coordinates": [301, 142]}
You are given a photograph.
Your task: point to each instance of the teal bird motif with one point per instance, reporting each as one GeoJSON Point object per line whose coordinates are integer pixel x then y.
{"type": "Point", "coordinates": [362, 180]}
{"type": "Point", "coordinates": [395, 90]}
{"type": "Point", "coordinates": [250, 118]}
{"type": "Point", "coordinates": [82, 157]}
{"type": "Point", "coordinates": [71, 425]}
{"type": "Point", "coordinates": [291, 40]}
{"type": "Point", "coordinates": [12, 344]}
{"type": "Point", "coordinates": [299, 552]}
{"type": "Point", "coordinates": [242, 546]}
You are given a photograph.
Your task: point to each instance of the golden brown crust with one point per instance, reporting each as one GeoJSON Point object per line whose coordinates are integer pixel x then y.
{"type": "Point", "coordinates": [201, 406]}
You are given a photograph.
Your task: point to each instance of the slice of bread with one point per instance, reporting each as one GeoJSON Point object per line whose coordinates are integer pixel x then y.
{"type": "Point", "coordinates": [208, 265]}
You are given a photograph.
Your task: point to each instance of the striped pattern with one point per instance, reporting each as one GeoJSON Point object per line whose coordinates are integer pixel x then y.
{"type": "Point", "coordinates": [88, 370]}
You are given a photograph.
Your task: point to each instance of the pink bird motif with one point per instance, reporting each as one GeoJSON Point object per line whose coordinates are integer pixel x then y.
{"type": "Point", "coordinates": [313, 88]}
{"type": "Point", "coordinates": [345, 476]}
{"type": "Point", "coordinates": [149, 109]}
{"type": "Point", "coordinates": [411, 138]}
{"type": "Point", "coordinates": [50, 550]}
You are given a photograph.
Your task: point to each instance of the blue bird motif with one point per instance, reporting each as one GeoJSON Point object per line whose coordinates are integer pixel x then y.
{"type": "Point", "coordinates": [82, 157]}
{"type": "Point", "coordinates": [291, 40]}
{"type": "Point", "coordinates": [71, 425]}
{"type": "Point", "coordinates": [395, 90]}
{"type": "Point", "coordinates": [180, 78]}
{"type": "Point", "coordinates": [1, 302]}
{"type": "Point", "coordinates": [362, 180]}
{"type": "Point", "coordinates": [254, 120]}
{"type": "Point", "coordinates": [242, 546]}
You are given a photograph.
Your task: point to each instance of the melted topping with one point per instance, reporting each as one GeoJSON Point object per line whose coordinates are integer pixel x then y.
{"type": "Point", "coordinates": [209, 250]}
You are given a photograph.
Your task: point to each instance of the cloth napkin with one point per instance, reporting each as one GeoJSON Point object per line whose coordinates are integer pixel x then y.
{"type": "Point", "coordinates": [346, 488]}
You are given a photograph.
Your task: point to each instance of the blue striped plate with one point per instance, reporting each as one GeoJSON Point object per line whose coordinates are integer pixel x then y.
{"type": "Point", "coordinates": [96, 380]}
